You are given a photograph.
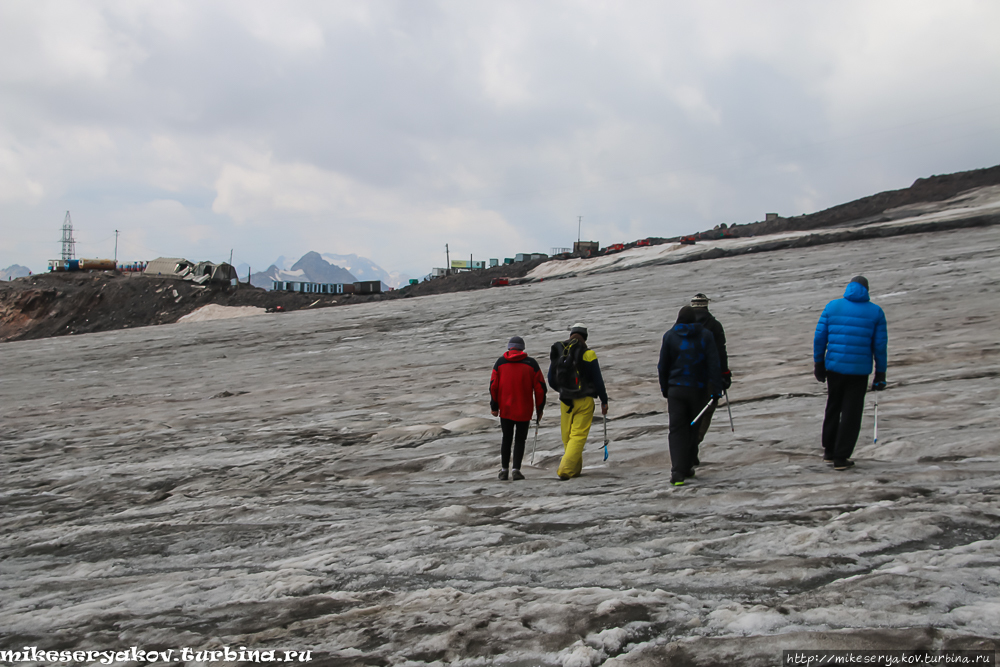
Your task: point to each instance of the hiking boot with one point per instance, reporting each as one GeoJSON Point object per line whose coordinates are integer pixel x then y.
{"type": "Point", "coordinates": [502, 476]}
{"type": "Point", "coordinates": [843, 465]}
{"type": "Point", "coordinates": [827, 460]}
{"type": "Point", "coordinates": [690, 474]}
{"type": "Point", "coordinates": [564, 477]}
{"type": "Point", "coordinates": [677, 480]}
{"type": "Point", "coordinates": [515, 474]}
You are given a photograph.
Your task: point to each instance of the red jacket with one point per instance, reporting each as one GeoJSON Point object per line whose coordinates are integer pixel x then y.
{"type": "Point", "coordinates": [517, 386]}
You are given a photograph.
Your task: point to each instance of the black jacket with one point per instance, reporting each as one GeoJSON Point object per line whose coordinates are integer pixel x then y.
{"type": "Point", "coordinates": [713, 326]}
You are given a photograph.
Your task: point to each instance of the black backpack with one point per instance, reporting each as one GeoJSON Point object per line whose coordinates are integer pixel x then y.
{"type": "Point", "coordinates": [565, 356]}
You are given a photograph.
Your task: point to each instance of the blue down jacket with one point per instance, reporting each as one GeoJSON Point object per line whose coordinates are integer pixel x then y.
{"type": "Point", "coordinates": [850, 333]}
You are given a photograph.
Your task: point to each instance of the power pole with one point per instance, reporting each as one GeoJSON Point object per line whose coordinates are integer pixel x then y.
{"type": "Point", "coordinates": [68, 244]}
{"type": "Point", "coordinates": [116, 247]}
{"type": "Point", "coordinates": [447, 261]}
{"type": "Point", "coordinates": [579, 227]}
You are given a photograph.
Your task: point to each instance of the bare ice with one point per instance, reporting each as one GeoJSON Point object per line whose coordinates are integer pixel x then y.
{"type": "Point", "coordinates": [327, 480]}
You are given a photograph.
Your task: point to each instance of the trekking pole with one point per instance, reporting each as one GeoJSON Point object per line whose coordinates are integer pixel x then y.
{"type": "Point", "coordinates": [875, 439]}
{"type": "Point", "coordinates": [534, 446]}
{"type": "Point", "coordinates": [726, 394]}
{"type": "Point", "coordinates": [605, 420]}
{"type": "Point", "coordinates": [707, 405]}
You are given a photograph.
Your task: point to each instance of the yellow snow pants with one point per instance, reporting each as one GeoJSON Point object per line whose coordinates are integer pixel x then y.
{"type": "Point", "coordinates": [575, 422]}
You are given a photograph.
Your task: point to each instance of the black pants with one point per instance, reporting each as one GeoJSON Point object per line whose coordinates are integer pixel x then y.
{"type": "Point", "coordinates": [683, 405]}
{"type": "Point", "coordinates": [845, 405]}
{"type": "Point", "coordinates": [507, 426]}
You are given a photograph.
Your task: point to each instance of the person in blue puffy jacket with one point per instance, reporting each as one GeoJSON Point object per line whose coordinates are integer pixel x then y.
{"type": "Point", "coordinates": [850, 336]}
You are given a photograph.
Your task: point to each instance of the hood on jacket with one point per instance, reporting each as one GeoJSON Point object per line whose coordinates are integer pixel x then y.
{"type": "Point", "coordinates": [856, 292]}
{"type": "Point", "coordinates": [514, 355]}
{"type": "Point", "coordinates": [687, 329]}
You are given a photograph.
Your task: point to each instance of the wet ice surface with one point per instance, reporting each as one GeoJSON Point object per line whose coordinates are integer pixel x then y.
{"type": "Point", "coordinates": [327, 480]}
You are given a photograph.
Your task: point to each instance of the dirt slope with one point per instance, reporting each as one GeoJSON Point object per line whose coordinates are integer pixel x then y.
{"type": "Point", "coordinates": [58, 304]}
{"type": "Point", "coordinates": [870, 209]}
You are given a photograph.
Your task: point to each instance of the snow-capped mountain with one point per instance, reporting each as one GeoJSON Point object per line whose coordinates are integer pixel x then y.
{"type": "Point", "coordinates": [310, 268]}
{"type": "Point", "coordinates": [365, 269]}
{"type": "Point", "coordinates": [327, 268]}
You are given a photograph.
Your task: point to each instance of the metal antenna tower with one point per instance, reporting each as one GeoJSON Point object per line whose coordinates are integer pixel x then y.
{"type": "Point", "coordinates": [69, 245]}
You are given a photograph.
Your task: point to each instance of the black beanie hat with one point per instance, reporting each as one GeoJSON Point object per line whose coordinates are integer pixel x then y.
{"type": "Point", "coordinates": [686, 315]}
{"type": "Point", "coordinates": [515, 343]}
{"type": "Point", "coordinates": [861, 280]}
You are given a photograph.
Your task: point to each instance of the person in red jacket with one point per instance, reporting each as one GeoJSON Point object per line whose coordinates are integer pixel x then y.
{"type": "Point", "coordinates": [517, 389]}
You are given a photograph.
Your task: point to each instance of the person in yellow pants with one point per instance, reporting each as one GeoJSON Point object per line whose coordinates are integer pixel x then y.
{"type": "Point", "coordinates": [575, 373]}
{"type": "Point", "coordinates": [576, 421]}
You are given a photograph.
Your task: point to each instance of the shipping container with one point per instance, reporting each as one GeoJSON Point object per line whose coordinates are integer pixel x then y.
{"type": "Point", "coordinates": [368, 287]}
{"type": "Point", "coordinates": [98, 265]}
{"type": "Point", "coordinates": [311, 288]}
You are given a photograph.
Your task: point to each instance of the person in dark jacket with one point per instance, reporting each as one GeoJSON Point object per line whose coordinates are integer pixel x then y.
{"type": "Point", "coordinates": [689, 378]}
{"type": "Point", "coordinates": [708, 322]}
{"type": "Point", "coordinates": [577, 404]}
{"type": "Point", "coordinates": [850, 334]}
{"type": "Point", "coordinates": [517, 389]}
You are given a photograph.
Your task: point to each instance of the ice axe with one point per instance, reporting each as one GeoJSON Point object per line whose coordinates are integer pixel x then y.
{"type": "Point", "coordinates": [535, 446]}
{"type": "Point", "coordinates": [605, 420]}
{"type": "Point", "coordinates": [726, 394]}
{"type": "Point", "coordinates": [707, 406]}
{"type": "Point", "coordinates": [875, 438]}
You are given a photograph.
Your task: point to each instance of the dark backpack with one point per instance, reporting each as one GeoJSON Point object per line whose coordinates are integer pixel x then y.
{"type": "Point", "coordinates": [565, 356]}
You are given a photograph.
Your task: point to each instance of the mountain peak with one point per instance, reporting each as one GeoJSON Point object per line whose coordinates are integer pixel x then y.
{"type": "Point", "coordinates": [328, 268]}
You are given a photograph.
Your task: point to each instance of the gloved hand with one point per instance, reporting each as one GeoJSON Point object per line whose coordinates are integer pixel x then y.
{"type": "Point", "coordinates": [727, 379]}
{"type": "Point", "coordinates": [878, 384]}
{"type": "Point", "coordinates": [538, 417]}
{"type": "Point", "coordinates": [820, 371]}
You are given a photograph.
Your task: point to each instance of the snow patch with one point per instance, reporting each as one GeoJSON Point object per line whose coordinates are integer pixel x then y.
{"type": "Point", "coordinates": [214, 311]}
{"type": "Point", "coordinates": [469, 425]}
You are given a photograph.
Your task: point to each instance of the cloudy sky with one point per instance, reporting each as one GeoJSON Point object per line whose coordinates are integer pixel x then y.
{"type": "Point", "coordinates": [389, 129]}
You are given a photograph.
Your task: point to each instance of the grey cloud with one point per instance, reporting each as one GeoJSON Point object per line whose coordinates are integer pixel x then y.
{"type": "Point", "coordinates": [647, 119]}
